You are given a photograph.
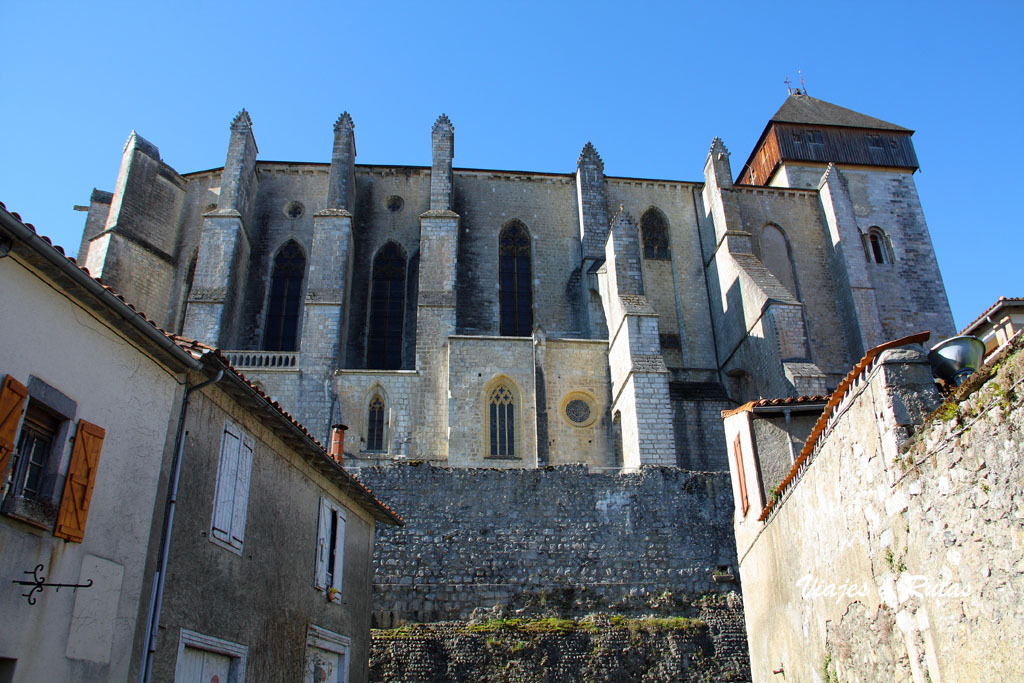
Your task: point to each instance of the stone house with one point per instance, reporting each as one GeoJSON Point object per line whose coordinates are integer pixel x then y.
{"type": "Point", "coordinates": [518, 319]}
{"type": "Point", "coordinates": [100, 412]}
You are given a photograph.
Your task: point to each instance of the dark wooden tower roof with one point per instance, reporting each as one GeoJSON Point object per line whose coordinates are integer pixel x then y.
{"type": "Point", "coordinates": [806, 129]}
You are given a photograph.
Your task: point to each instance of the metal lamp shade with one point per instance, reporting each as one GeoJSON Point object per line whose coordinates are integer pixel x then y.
{"type": "Point", "coordinates": [956, 358]}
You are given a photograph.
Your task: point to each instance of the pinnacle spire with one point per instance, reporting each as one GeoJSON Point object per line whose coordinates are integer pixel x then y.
{"type": "Point", "coordinates": [589, 153]}
{"type": "Point", "coordinates": [443, 122]}
{"type": "Point", "coordinates": [241, 120]}
{"type": "Point", "coordinates": [344, 121]}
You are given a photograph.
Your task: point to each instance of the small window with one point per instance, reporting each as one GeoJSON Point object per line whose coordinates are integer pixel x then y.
{"type": "Point", "coordinates": [502, 409]}
{"type": "Point", "coordinates": [877, 247]}
{"type": "Point", "coordinates": [327, 656]}
{"type": "Point", "coordinates": [231, 500]}
{"type": "Point", "coordinates": [579, 409]}
{"type": "Point", "coordinates": [330, 549]}
{"type": "Point", "coordinates": [375, 424]}
{"type": "Point", "coordinates": [654, 233]}
{"type": "Point", "coordinates": [875, 141]}
{"type": "Point", "coordinates": [31, 459]}
{"type": "Point", "coordinates": [202, 659]}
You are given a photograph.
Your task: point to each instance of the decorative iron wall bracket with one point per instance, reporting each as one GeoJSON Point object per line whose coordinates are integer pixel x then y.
{"type": "Point", "coordinates": [39, 582]}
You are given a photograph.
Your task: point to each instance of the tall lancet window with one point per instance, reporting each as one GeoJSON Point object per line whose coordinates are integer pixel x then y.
{"type": "Point", "coordinates": [387, 305]}
{"type": "Point", "coordinates": [502, 408]}
{"type": "Point", "coordinates": [282, 330]}
{"type": "Point", "coordinates": [654, 231]}
{"type": "Point", "coordinates": [515, 296]}
{"type": "Point", "coordinates": [375, 424]}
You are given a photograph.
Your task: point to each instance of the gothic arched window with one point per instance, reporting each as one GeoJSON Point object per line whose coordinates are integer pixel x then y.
{"type": "Point", "coordinates": [516, 295]}
{"type": "Point", "coordinates": [375, 424]}
{"type": "Point", "coordinates": [387, 305]}
{"type": "Point", "coordinates": [654, 233]}
{"type": "Point", "coordinates": [502, 409]}
{"type": "Point", "coordinates": [282, 330]}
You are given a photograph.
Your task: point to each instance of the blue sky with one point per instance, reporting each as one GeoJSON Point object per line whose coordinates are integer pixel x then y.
{"type": "Point", "coordinates": [526, 85]}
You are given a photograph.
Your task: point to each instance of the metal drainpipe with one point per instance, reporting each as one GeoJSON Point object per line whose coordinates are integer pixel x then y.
{"type": "Point", "coordinates": [156, 601]}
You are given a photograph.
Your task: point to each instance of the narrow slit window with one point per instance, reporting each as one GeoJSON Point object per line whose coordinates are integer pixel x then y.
{"type": "Point", "coordinates": [282, 331]}
{"type": "Point", "coordinates": [375, 425]}
{"type": "Point", "coordinates": [387, 307]}
{"type": "Point", "coordinates": [516, 295]}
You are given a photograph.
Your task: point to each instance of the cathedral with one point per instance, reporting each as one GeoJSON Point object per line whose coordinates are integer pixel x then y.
{"type": "Point", "coordinates": [487, 318]}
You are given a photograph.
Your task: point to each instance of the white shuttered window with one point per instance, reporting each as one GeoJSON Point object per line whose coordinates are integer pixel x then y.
{"type": "Point", "coordinates": [330, 547]}
{"type": "Point", "coordinates": [231, 501]}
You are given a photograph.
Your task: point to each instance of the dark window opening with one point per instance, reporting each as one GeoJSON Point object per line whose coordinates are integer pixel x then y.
{"type": "Point", "coordinates": [332, 550]}
{"type": "Point", "coordinates": [654, 233]}
{"type": "Point", "coordinates": [503, 423]}
{"type": "Point", "coordinates": [876, 248]}
{"type": "Point", "coordinates": [30, 460]}
{"type": "Point", "coordinates": [282, 332]}
{"type": "Point", "coordinates": [387, 305]}
{"type": "Point", "coordinates": [875, 141]}
{"type": "Point", "coordinates": [375, 425]}
{"type": "Point", "coordinates": [516, 295]}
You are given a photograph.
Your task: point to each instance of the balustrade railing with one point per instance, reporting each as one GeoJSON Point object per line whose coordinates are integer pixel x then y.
{"type": "Point", "coordinates": [263, 360]}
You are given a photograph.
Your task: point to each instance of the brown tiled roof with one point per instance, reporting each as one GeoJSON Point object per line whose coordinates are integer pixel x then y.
{"type": "Point", "coordinates": [203, 352]}
{"type": "Point", "coordinates": [1000, 302]}
{"type": "Point", "coordinates": [773, 402]}
{"type": "Point", "coordinates": [833, 402]}
{"type": "Point", "coordinates": [812, 111]}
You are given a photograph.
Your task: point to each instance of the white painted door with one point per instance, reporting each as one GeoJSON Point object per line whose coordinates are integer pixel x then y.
{"type": "Point", "coordinates": [200, 666]}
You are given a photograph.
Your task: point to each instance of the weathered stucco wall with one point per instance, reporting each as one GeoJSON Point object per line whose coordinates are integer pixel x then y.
{"type": "Point", "coordinates": [261, 601]}
{"type": "Point", "coordinates": [483, 537]}
{"type": "Point", "coordinates": [86, 635]}
{"type": "Point", "coordinates": [902, 557]}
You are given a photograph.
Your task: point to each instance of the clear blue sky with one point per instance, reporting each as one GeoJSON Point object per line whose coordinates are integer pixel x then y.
{"type": "Point", "coordinates": [526, 85]}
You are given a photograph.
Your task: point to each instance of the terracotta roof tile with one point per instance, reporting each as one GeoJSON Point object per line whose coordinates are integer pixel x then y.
{"type": "Point", "coordinates": [773, 402]}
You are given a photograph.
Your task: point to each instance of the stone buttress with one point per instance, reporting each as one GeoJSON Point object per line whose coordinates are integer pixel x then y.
{"type": "Point", "coordinates": [215, 303]}
{"type": "Point", "coordinates": [640, 392]}
{"type": "Point", "coordinates": [131, 235]}
{"type": "Point", "coordinates": [435, 315]}
{"type": "Point", "coordinates": [326, 304]}
{"type": "Point", "coordinates": [760, 325]}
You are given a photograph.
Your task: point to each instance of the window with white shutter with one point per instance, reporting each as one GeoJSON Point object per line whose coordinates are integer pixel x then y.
{"type": "Point", "coordinates": [231, 500]}
{"type": "Point", "coordinates": [330, 548]}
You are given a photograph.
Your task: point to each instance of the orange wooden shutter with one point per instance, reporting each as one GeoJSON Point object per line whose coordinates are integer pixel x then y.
{"type": "Point", "coordinates": [74, 506]}
{"type": "Point", "coordinates": [12, 404]}
{"type": "Point", "coordinates": [737, 451]}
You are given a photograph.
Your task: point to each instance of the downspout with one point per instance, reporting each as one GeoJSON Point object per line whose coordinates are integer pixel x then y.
{"type": "Point", "coordinates": [156, 601]}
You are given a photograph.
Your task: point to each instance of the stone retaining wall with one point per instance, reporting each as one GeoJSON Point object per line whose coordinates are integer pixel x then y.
{"type": "Point", "coordinates": [558, 538]}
